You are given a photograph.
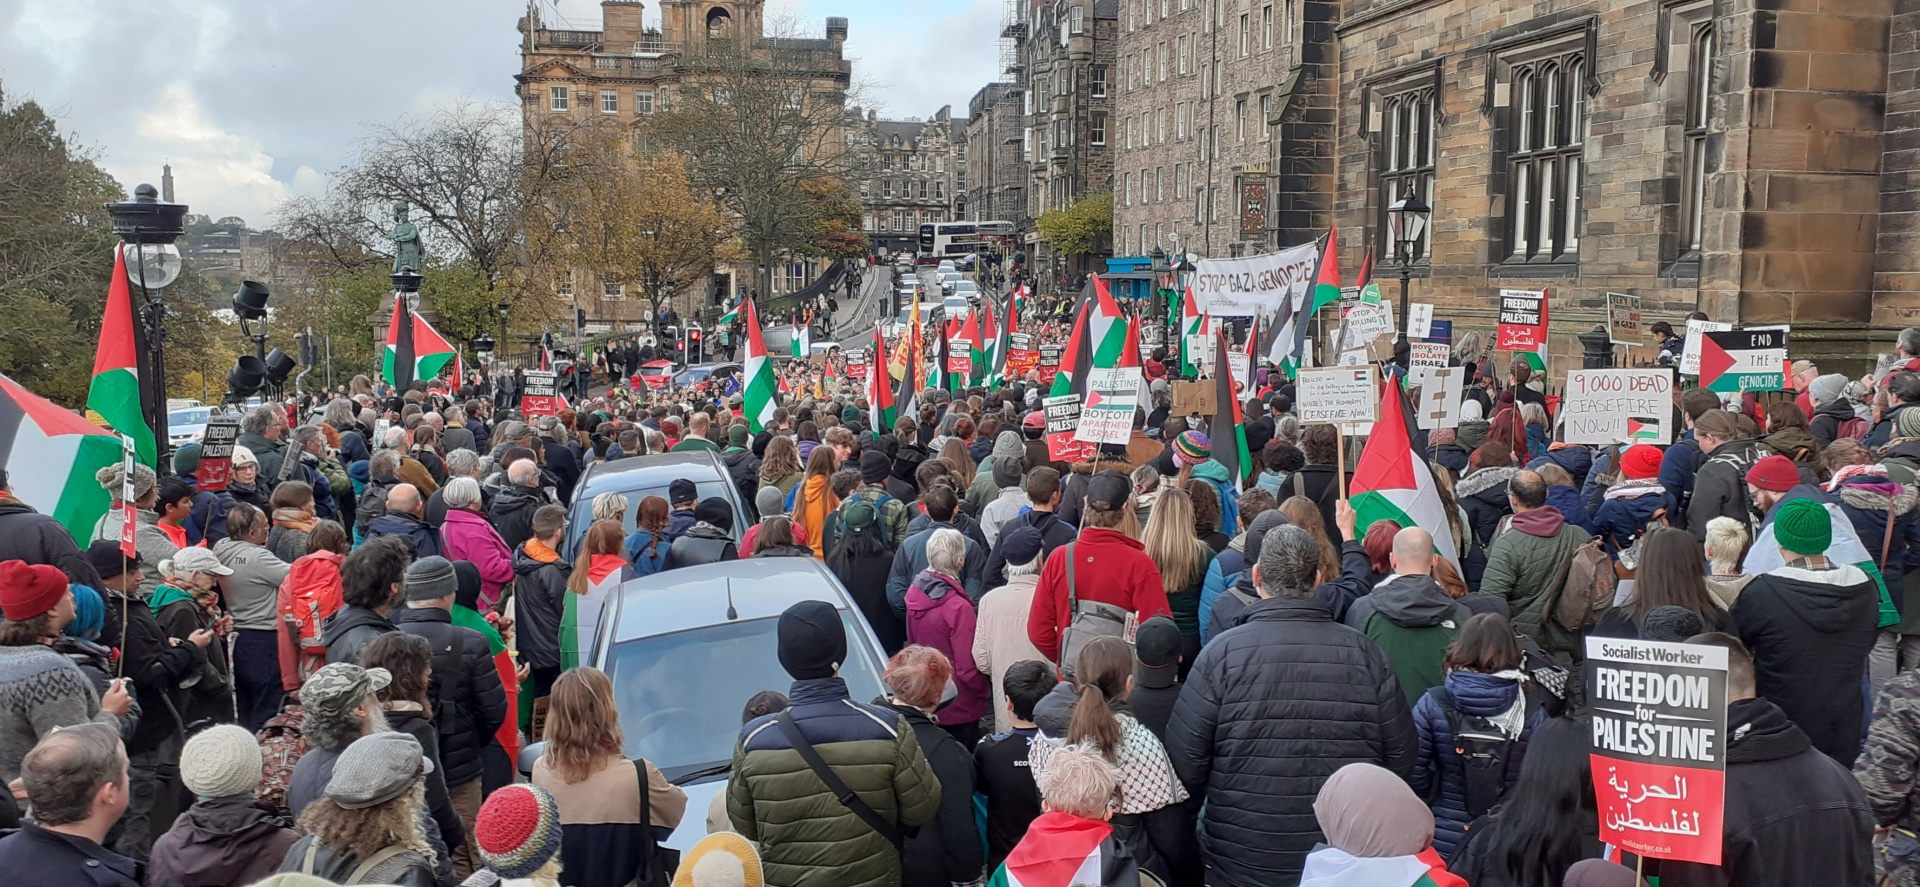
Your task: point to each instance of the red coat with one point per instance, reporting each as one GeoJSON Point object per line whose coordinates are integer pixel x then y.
{"type": "Point", "coordinates": [1112, 569]}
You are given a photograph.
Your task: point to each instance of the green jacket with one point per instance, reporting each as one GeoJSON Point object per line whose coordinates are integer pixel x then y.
{"type": "Point", "coordinates": [807, 838]}
{"type": "Point", "coordinates": [1523, 565]}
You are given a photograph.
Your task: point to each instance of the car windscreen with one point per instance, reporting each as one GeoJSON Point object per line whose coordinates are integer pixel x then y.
{"type": "Point", "coordinates": [581, 518]}
{"type": "Point", "coordinates": [188, 417]}
{"type": "Point", "coordinates": [680, 695]}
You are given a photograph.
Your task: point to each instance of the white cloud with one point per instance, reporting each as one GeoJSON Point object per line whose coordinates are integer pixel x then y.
{"type": "Point", "coordinates": [211, 166]}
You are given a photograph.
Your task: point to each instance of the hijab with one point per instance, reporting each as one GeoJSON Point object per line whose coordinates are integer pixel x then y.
{"type": "Point", "coordinates": [1367, 811]}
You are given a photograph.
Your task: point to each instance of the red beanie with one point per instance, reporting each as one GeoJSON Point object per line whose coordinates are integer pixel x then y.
{"type": "Point", "coordinates": [1640, 461]}
{"type": "Point", "coordinates": [28, 590]}
{"type": "Point", "coordinates": [1774, 473]}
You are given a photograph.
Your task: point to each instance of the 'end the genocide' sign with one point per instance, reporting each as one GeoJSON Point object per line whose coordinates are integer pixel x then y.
{"type": "Point", "coordinates": [1659, 746]}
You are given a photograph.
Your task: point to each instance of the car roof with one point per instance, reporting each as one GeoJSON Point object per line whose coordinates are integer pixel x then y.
{"type": "Point", "coordinates": [652, 470]}
{"type": "Point", "coordinates": [692, 597]}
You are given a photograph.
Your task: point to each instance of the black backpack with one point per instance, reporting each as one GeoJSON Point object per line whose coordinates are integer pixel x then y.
{"type": "Point", "coordinates": [1483, 750]}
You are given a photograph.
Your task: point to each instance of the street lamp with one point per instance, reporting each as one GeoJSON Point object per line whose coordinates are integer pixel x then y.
{"type": "Point", "coordinates": [250, 372]}
{"type": "Point", "coordinates": [483, 347]}
{"type": "Point", "coordinates": [1406, 224]}
{"type": "Point", "coordinates": [148, 226]}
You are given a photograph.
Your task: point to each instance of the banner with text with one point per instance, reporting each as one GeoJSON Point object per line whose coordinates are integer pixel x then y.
{"type": "Point", "coordinates": [1273, 287]}
{"type": "Point", "coordinates": [1743, 360]}
{"type": "Point", "coordinates": [1063, 419]}
{"type": "Point", "coordinates": [540, 395]}
{"type": "Point", "coordinates": [1601, 407]}
{"type": "Point", "coordinates": [216, 453]}
{"type": "Point", "coordinates": [1523, 321]}
{"type": "Point", "coordinates": [1049, 363]}
{"type": "Point", "coordinates": [1336, 395]}
{"type": "Point", "coordinates": [1659, 726]}
{"type": "Point", "coordinates": [1623, 319]}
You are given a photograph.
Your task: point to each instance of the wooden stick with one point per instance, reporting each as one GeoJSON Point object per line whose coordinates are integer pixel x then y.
{"type": "Point", "coordinates": [1340, 460]}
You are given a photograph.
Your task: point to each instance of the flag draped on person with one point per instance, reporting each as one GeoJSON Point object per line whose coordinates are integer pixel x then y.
{"type": "Point", "coordinates": [1289, 347]}
{"type": "Point", "coordinates": [114, 394]}
{"type": "Point", "coordinates": [1059, 850]}
{"type": "Point", "coordinates": [432, 353]}
{"type": "Point", "coordinates": [761, 394]}
{"type": "Point", "coordinates": [1237, 458]}
{"type": "Point", "coordinates": [51, 456]}
{"type": "Point", "coordinates": [881, 414]}
{"type": "Point", "coordinates": [1391, 482]}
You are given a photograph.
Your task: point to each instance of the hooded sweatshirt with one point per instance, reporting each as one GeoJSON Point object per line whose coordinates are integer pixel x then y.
{"type": "Point", "coordinates": [1810, 632]}
{"type": "Point", "coordinates": [810, 509]}
{"type": "Point", "coordinates": [1414, 621]}
{"type": "Point", "coordinates": [236, 840]}
{"type": "Point", "coordinates": [940, 616]}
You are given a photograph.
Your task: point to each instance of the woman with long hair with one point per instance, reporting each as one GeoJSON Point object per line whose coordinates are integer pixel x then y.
{"type": "Point", "coordinates": [647, 546]}
{"type": "Point", "coordinates": [1302, 513]}
{"type": "Point", "coordinates": [807, 436]}
{"type": "Point", "coordinates": [1791, 435]}
{"type": "Point", "coordinates": [1183, 560]}
{"type": "Point", "coordinates": [1672, 573]}
{"type": "Point", "coordinates": [599, 568]}
{"type": "Point", "coordinates": [775, 539]}
{"type": "Point", "coordinates": [780, 467]}
{"type": "Point", "coordinates": [1483, 680]}
{"type": "Point", "coordinates": [1148, 817]}
{"type": "Point", "coordinates": [408, 660]}
{"type": "Point", "coordinates": [597, 788]}
{"type": "Point", "coordinates": [1204, 502]}
{"type": "Point", "coordinates": [814, 499]}
{"type": "Point", "coordinates": [960, 462]}
{"type": "Point", "coordinates": [1548, 822]}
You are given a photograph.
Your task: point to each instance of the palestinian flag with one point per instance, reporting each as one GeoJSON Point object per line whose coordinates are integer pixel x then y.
{"type": "Point", "coordinates": [1643, 427]}
{"type": "Point", "coordinates": [115, 393]}
{"type": "Point", "coordinates": [1391, 482]}
{"type": "Point", "coordinates": [1369, 288]}
{"type": "Point", "coordinates": [1239, 458]}
{"type": "Point", "coordinates": [1130, 360]}
{"type": "Point", "coordinates": [1018, 298]}
{"type": "Point", "coordinates": [1192, 323]}
{"type": "Point", "coordinates": [802, 336]}
{"type": "Point", "coordinates": [1059, 850]}
{"type": "Point", "coordinates": [432, 353]}
{"type": "Point", "coordinates": [881, 414]}
{"type": "Point", "coordinates": [976, 348]}
{"type": "Point", "coordinates": [1076, 359]}
{"type": "Point", "coordinates": [1290, 345]}
{"type": "Point", "coordinates": [761, 394]}
{"type": "Point", "coordinates": [993, 348]}
{"type": "Point", "coordinates": [907, 397]}
{"type": "Point", "coordinates": [1107, 329]}
{"type": "Point", "coordinates": [942, 349]}
{"type": "Point", "coordinates": [51, 455]}
{"type": "Point", "coordinates": [1537, 358]}
{"type": "Point", "coordinates": [732, 314]}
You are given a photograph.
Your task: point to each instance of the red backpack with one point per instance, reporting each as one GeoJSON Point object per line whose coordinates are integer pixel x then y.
{"type": "Point", "coordinates": [310, 593]}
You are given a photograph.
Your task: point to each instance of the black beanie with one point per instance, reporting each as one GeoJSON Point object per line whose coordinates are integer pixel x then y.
{"type": "Point", "coordinates": [874, 466]}
{"type": "Point", "coordinates": [468, 575]}
{"type": "Point", "coordinates": [714, 511]}
{"type": "Point", "coordinates": [812, 640]}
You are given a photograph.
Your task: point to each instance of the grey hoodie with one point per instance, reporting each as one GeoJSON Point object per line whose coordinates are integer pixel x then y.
{"type": "Point", "coordinates": [1409, 602]}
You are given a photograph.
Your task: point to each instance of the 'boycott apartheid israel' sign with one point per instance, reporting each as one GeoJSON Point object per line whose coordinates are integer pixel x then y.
{"type": "Point", "coordinates": [1659, 746]}
{"type": "Point", "coordinates": [1618, 406]}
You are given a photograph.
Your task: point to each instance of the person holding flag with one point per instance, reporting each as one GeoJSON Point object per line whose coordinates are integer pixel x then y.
{"type": "Point", "coordinates": [760, 394]}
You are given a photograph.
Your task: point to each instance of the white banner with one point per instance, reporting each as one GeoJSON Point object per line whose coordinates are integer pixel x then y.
{"type": "Point", "coordinates": [1273, 287]}
{"type": "Point", "coordinates": [1336, 395]}
{"type": "Point", "coordinates": [1617, 406]}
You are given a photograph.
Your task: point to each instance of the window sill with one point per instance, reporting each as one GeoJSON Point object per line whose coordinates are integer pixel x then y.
{"type": "Point", "coordinates": [1527, 270]}
{"type": "Point", "coordinates": [1687, 267]}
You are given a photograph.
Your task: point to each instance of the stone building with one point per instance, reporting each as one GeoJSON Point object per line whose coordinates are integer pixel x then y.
{"type": "Point", "coordinates": [913, 175]}
{"type": "Point", "coordinates": [628, 71]}
{"type": "Point", "coordinates": [996, 170]}
{"type": "Point", "coordinates": [1064, 62]}
{"type": "Point", "coordinates": [1753, 158]}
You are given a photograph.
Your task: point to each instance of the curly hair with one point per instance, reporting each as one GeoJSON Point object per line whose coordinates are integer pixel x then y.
{"type": "Point", "coordinates": [362, 833]}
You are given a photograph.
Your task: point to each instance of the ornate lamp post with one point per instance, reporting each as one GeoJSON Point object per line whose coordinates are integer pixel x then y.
{"type": "Point", "coordinates": [1406, 224]}
{"type": "Point", "coordinates": [148, 226]}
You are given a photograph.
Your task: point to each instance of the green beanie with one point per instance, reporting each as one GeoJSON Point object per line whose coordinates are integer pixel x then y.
{"type": "Point", "coordinates": [186, 460]}
{"type": "Point", "coordinates": [1802, 526]}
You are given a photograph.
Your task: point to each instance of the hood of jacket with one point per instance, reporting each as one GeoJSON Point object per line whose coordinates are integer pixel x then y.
{"type": "Point", "coordinates": [1875, 492]}
{"type": "Point", "coordinates": [736, 457]}
{"type": "Point", "coordinates": [221, 820]}
{"type": "Point", "coordinates": [1820, 597]}
{"type": "Point", "coordinates": [1757, 730]}
{"type": "Point", "coordinates": [348, 618]}
{"type": "Point", "coordinates": [1485, 480]}
{"type": "Point", "coordinates": [1214, 471]}
{"type": "Point", "coordinates": [930, 591]}
{"type": "Point", "coordinates": [1566, 500]}
{"type": "Point", "coordinates": [704, 530]}
{"type": "Point", "coordinates": [1788, 441]}
{"type": "Point", "coordinates": [525, 564]}
{"type": "Point", "coordinates": [1839, 408]}
{"type": "Point", "coordinates": [1576, 460]}
{"type": "Point", "coordinates": [1412, 602]}
{"type": "Point", "coordinates": [1543, 522]}
{"type": "Point", "coordinates": [315, 568]}
{"type": "Point", "coordinates": [396, 525]}
{"type": "Point", "coordinates": [513, 497]}
{"type": "Point", "coordinates": [1485, 695]}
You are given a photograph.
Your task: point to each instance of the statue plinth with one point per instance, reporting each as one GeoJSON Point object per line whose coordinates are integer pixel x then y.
{"type": "Point", "coordinates": [406, 282]}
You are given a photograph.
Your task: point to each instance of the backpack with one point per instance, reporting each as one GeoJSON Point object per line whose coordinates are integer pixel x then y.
{"type": "Point", "coordinates": [1482, 748]}
{"type": "Point", "coordinates": [836, 526]}
{"type": "Point", "coordinates": [281, 747]}
{"type": "Point", "coordinates": [1586, 588]}
{"type": "Point", "coordinates": [1089, 620]}
{"type": "Point", "coordinates": [302, 612]}
{"type": "Point", "coordinates": [1852, 429]}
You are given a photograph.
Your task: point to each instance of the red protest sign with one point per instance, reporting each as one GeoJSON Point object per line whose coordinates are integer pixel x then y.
{"type": "Point", "coordinates": [1659, 715]}
{"type": "Point", "coordinates": [1523, 321]}
{"type": "Point", "coordinates": [541, 394]}
{"type": "Point", "coordinates": [1021, 360]}
{"type": "Point", "coordinates": [1063, 420]}
{"type": "Point", "coordinates": [216, 454]}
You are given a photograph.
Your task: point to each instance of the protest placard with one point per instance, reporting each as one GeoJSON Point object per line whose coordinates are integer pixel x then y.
{"type": "Point", "coordinates": [1333, 395]}
{"type": "Point", "coordinates": [960, 357]}
{"type": "Point", "coordinates": [1419, 320]}
{"type": "Point", "coordinates": [1439, 404]}
{"type": "Point", "coordinates": [1690, 353]}
{"type": "Point", "coordinates": [1623, 319]}
{"type": "Point", "coordinates": [1440, 331]}
{"type": "Point", "coordinates": [1241, 368]}
{"type": "Point", "coordinates": [1106, 416]}
{"type": "Point", "coordinates": [1429, 354]}
{"type": "Point", "coordinates": [216, 453]}
{"type": "Point", "coordinates": [1366, 322]}
{"type": "Point", "coordinates": [1020, 360]}
{"type": "Point", "coordinates": [1523, 324]}
{"type": "Point", "coordinates": [1601, 407]}
{"type": "Point", "coordinates": [1019, 341]}
{"type": "Point", "coordinates": [540, 395]}
{"type": "Point", "coordinates": [1743, 360]}
{"type": "Point", "coordinates": [1659, 722]}
{"type": "Point", "coordinates": [857, 364]}
{"type": "Point", "coordinates": [1063, 419]}
{"type": "Point", "coordinates": [1194, 399]}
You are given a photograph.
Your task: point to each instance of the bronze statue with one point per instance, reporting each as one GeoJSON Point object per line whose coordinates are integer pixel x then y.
{"type": "Point", "coordinates": [406, 242]}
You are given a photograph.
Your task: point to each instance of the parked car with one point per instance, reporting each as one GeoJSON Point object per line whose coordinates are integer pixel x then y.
{"type": "Point", "coordinates": [687, 648]}
{"type": "Point", "coordinates": [188, 424]}
{"type": "Point", "coordinates": [649, 475]}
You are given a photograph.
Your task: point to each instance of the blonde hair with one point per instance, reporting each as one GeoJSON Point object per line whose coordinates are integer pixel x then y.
{"type": "Point", "coordinates": [1169, 540]}
{"type": "Point", "coordinates": [1078, 780]}
{"type": "Point", "coordinates": [609, 506]}
{"type": "Point", "coordinates": [1726, 544]}
{"type": "Point", "coordinates": [583, 724]}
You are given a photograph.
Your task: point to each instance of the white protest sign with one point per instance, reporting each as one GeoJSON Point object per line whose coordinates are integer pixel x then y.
{"type": "Point", "coordinates": [1107, 414]}
{"type": "Point", "coordinates": [1429, 354]}
{"type": "Point", "coordinates": [1617, 406]}
{"type": "Point", "coordinates": [1690, 358]}
{"type": "Point", "coordinates": [1366, 322]}
{"type": "Point", "coordinates": [1274, 287]}
{"type": "Point", "coordinates": [1439, 405]}
{"type": "Point", "coordinates": [1336, 395]}
{"type": "Point", "coordinates": [1419, 320]}
{"type": "Point", "coordinates": [1242, 369]}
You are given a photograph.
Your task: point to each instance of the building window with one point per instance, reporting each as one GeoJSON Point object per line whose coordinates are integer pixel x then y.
{"type": "Point", "coordinates": [886, 161]}
{"type": "Point", "coordinates": [613, 292]}
{"type": "Point", "coordinates": [565, 288]}
{"type": "Point", "coordinates": [1098, 131]}
{"type": "Point", "coordinates": [722, 96]}
{"type": "Point", "coordinates": [886, 187]}
{"type": "Point", "coordinates": [1246, 35]}
{"type": "Point", "coordinates": [1200, 205]}
{"type": "Point", "coordinates": [1146, 179]}
{"type": "Point", "coordinates": [664, 104]}
{"type": "Point", "coordinates": [609, 102]}
{"type": "Point", "coordinates": [1205, 72]}
{"type": "Point", "coordinates": [1180, 115]}
{"type": "Point", "coordinates": [1693, 213]}
{"type": "Point", "coordinates": [1129, 133]}
{"type": "Point", "coordinates": [557, 99]}
{"type": "Point", "coordinates": [1407, 149]}
{"type": "Point", "coordinates": [1163, 62]}
{"type": "Point", "coordinates": [1266, 116]}
{"type": "Point", "coordinates": [1266, 26]}
{"type": "Point", "coordinates": [1126, 189]}
{"type": "Point", "coordinates": [1186, 56]}
{"type": "Point", "coordinates": [643, 102]}
{"type": "Point", "coordinates": [940, 163]}
{"type": "Point", "coordinates": [1546, 134]}
{"type": "Point", "coordinates": [605, 63]}
{"type": "Point", "coordinates": [1077, 17]}
{"type": "Point", "coordinates": [1163, 127]}
{"type": "Point", "coordinates": [1159, 183]}
{"type": "Point", "coordinates": [1179, 180]}
{"type": "Point", "coordinates": [1240, 120]}
{"type": "Point", "coordinates": [1099, 81]}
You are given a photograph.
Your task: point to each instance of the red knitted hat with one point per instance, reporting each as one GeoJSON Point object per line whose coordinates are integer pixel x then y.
{"type": "Point", "coordinates": [1640, 461]}
{"type": "Point", "coordinates": [1775, 473]}
{"type": "Point", "coordinates": [28, 590]}
{"type": "Point", "coordinates": [518, 830]}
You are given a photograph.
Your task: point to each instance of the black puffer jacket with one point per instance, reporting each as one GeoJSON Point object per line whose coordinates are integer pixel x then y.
{"type": "Point", "coordinates": [539, 602]}
{"type": "Point", "coordinates": [156, 668]}
{"type": "Point", "coordinates": [512, 513]}
{"type": "Point", "coordinates": [744, 467]}
{"type": "Point", "coordinates": [27, 535]}
{"type": "Point", "coordinates": [1483, 496]}
{"type": "Point", "coordinates": [704, 544]}
{"type": "Point", "coordinates": [349, 630]}
{"type": "Point", "coordinates": [468, 702]}
{"type": "Point", "coordinates": [1271, 709]}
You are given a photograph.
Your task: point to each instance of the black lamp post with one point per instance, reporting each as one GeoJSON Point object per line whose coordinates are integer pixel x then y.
{"type": "Point", "coordinates": [250, 371]}
{"type": "Point", "coordinates": [1406, 224]}
{"type": "Point", "coordinates": [148, 226]}
{"type": "Point", "coordinates": [483, 348]}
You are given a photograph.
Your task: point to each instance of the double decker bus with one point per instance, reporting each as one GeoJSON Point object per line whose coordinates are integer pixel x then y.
{"type": "Point", "coordinates": [946, 240]}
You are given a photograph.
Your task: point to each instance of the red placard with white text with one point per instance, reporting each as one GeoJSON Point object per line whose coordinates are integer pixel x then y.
{"type": "Point", "coordinates": [1659, 722]}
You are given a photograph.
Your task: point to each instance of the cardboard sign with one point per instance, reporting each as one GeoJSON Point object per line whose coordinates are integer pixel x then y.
{"type": "Point", "coordinates": [129, 512]}
{"type": "Point", "coordinates": [1194, 399]}
{"type": "Point", "coordinates": [1063, 418]}
{"type": "Point", "coordinates": [1623, 319]}
{"type": "Point", "coordinates": [216, 453]}
{"type": "Point", "coordinates": [1523, 325]}
{"type": "Point", "coordinates": [1601, 407]}
{"type": "Point", "coordinates": [1106, 416]}
{"type": "Point", "coordinates": [1419, 320]}
{"type": "Point", "coordinates": [1743, 360]}
{"type": "Point", "coordinates": [1690, 354]}
{"type": "Point", "coordinates": [1659, 715]}
{"type": "Point", "coordinates": [1439, 404]}
{"type": "Point", "coordinates": [541, 394]}
{"type": "Point", "coordinates": [1429, 354]}
{"type": "Point", "coordinates": [1336, 395]}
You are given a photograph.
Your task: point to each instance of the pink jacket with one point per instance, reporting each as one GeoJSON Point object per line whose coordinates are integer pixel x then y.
{"type": "Point", "coordinates": [468, 537]}
{"type": "Point", "coordinates": [940, 616]}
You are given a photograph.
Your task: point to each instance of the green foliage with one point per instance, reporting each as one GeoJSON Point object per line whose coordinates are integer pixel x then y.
{"type": "Point", "coordinates": [1081, 228]}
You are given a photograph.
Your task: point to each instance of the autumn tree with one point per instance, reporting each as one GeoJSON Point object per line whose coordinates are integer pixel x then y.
{"type": "Point", "coordinates": [1079, 228]}
{"type": "Point", "coordinates": [641, 221]}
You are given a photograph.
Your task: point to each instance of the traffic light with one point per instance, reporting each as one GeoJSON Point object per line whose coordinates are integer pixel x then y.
{"type": "Point", "coordinates": [693, 345]}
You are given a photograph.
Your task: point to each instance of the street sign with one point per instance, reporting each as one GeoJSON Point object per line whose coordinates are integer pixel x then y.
{"type": "Point", "coordinates": [1623, 319]}
{"type": "Point", "coordinates": [1743, 360]}
{"type": "Point", "coordinates": [1601, 407]}
{"type": "Point", "coordinates": [1659, 723]}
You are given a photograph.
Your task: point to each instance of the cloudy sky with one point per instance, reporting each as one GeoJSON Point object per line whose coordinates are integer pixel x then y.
{"type": "Point", "coordinates": [254, 101]}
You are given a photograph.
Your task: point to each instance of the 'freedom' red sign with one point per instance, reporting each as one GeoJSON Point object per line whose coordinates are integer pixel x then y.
{"type": "Point", "coordinates": [1659, 746]}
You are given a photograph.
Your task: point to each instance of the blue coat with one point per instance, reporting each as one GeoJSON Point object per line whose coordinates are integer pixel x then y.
{"type": "Point", "coordinates": [1221, 574]}
{"type": "Point", "coordinates": [1621, 520]}
{"type": "Point", "coordinates": [1578, 461]}
{"type": "Point", "coordinates": [1438, 774]}
{"type": "Point", "coordinates": [1571, 506]}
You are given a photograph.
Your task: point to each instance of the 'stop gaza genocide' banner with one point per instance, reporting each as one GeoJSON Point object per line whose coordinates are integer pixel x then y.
{"type": "Point", "coordinates": [1659, 746]}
